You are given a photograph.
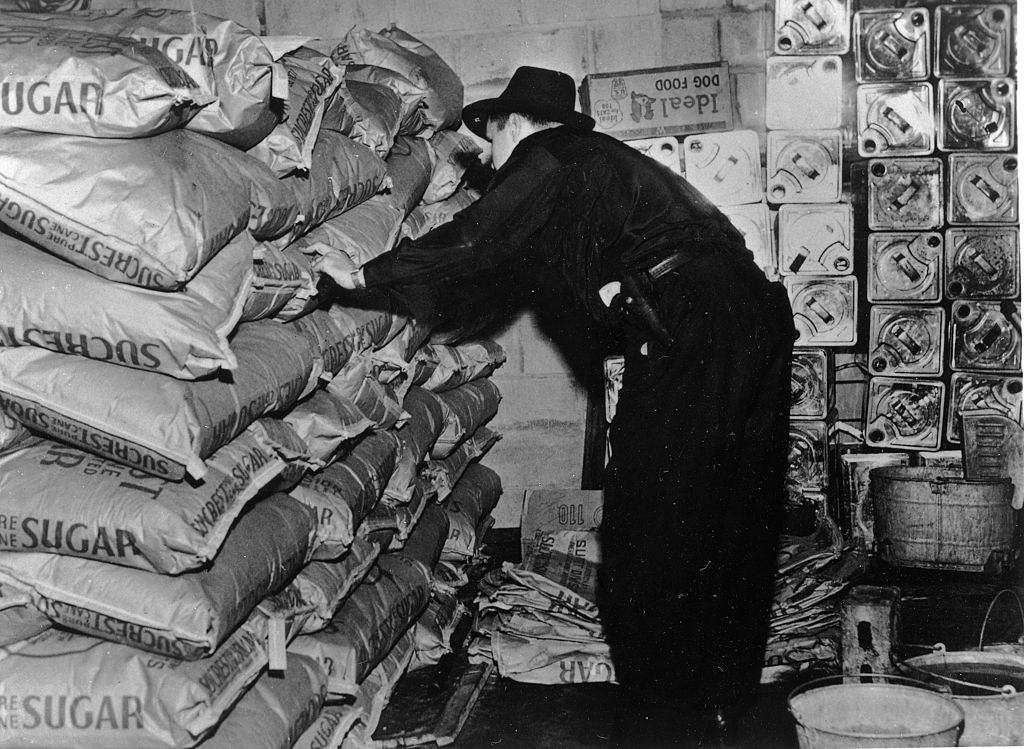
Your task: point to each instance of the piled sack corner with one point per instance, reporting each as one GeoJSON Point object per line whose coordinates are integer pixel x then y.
{"type": "Point", "coordinates": [226, 497]}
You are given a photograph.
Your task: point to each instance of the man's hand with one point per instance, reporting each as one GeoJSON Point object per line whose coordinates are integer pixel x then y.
{"type": "Point", "coordinates": [341, 269]}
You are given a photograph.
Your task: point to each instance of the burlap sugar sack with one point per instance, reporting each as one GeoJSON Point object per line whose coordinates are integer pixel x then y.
{"type": "Point", "coordinates": [276, 208]}
{"type": "Point", "coordinates": [326, 585]}
{"type": "Point", "coordinates": [397, 50]}
{"type": "Point", "coordinates": [13, 433]}
{"type": "Point", "coordinates": [185, 616]}
{"type": "Point", "coordinates": [369, 622]}
{"type": "Point", "coordinates": [427, 537]}
{"type": "Point", "coordinates": [343, 493]}
{"type": "Point", "coordinates": [324, 421]}
{"type": "Point", "coordinates": [291, 448]}
{"type": "Point", "coordinates": [54, 305]}
{"type": "Point", "coordinates": [454, 152]}
{"type": "Point", "coordinates": [376, 400]}
{"type": "Point", "coordinates": [275, 710]}
{"type": "Point", "coordinates": [228, 62]}
{"type": "Point", "coordinates": [57, 499]}
{"type": "Point", "coordinates": [352, 726]}
{"type": "Point", "coordinates": [425, 217]}
{"type": "Point", "coordinates": [375, 693]}
{"type": "Point", "coordinates": [331, 727]}
{"type": "Point", "coordinates": [444, 474]}
{"type": "Point", "coordinates": [410, 163]}
{"type": "Point", "coordinates": [465, 408]}
{"type": "Point", "coordinates": [307, 297]}
{"type": "Point", "coordinates": [434, 629]}
{"type": "Point", "coordinates": [150, 421]}
{"type": "Point", "coordinates": [417, 437]}
{"type": "Point", "coordinates": [569, 559]}
{"type": "Point", "coordinates": [439, 367]}
{"type": "Point", "coordinates": [474, 496]}
{"type": "Point", "coordinates": [369, 113]}
{"type": "Point", "coordinates": [402, 519]}
{"type": "Point", "coordinates": [147, 211]}
{"type": "Point", "coordinates": [332, 342]}
{"type": "Point", "coordinates": [313, 79]}
{"type": "Point", "coordinates": [278, 278]}
{"type": "Point", "coordinates": [70, 691]}
{"type": "Point", "coordinates": [57, 80]}
{"type": "Point", "coordinates": [369, 320]}
{"type": "Point", "coordinates": [19, 619]}
{"type": "Point", "coordinates": [412, 95]}
{"type": "Point", "coordinates": [362, 233]}
{"type": "Point", "coordinates": [342, 175]}
{"type": "Point", "coordinates": [552, 661]}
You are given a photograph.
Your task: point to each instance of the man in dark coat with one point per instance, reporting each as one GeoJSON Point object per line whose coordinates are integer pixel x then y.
{"type": "Point", "coordinates": [695, 485]}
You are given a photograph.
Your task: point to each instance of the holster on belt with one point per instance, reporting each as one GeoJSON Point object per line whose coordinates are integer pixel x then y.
{"type": "Point", "coordinates": [633, 301]}
{"type": "Point", "coordinates": [636, 307]}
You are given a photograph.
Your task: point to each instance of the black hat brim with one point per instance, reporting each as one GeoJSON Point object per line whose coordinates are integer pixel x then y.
{"type": "Point", "coordinates": [475, 115]}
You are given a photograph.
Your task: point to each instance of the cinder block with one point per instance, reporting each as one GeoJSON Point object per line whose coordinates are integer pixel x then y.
{"type": "Point", "coordinates": [540, 454]}
{"type": "Point", "coordinates": [445, 45]}
{"type": "Point", "coordinates": [243, 12]}
{"type": "Point", "coordinates": [541, 355]}
{"type": "Point", "coordinates": [870, 617]}
{"type": "Point", "coordinates": [749, 90]}
{"type": "Point", "coordinates": [334, 16]}
{"type": "Point", "coordinates": [509, 338]}
{"type": "Point", "coordinates": [439, 16]}
{"type": "Point", "coordinates": [673, 6]}
{"type": "Point", "coordinates": [625, 45]}
{"type": "Point", "coordinates": [577, 11]}
{"type": "Point", "coordinates": [743, 38]}
{"type": "Point", "coordinates": [492, 57]}
{"type": "Point", "coordinates": [688, 39]}
{"type": "Point", "coordinates": [529, 400]}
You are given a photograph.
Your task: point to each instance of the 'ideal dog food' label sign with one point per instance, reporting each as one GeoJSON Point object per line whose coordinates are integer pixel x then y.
{"type": "Point", "coordinates": [676, 100]}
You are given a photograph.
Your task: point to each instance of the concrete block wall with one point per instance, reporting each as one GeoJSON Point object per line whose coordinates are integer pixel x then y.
{"type": "Point", "coordinates": [543, 413]}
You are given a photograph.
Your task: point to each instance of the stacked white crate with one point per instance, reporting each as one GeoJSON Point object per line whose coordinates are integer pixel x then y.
{"type": "Point", "coordinates": [804, 164]}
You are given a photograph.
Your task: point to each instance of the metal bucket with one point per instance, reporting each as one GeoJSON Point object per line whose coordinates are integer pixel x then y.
{"type": "Point", "coordinates": [987, 684]}
{"type": "Point", "coordinates": [843, 712]}
{"type": "Point", "coordinates": [933, 518]}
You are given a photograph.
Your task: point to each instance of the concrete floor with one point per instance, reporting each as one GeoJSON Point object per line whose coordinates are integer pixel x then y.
{"type": "Point", "coordinates": [935, 607]}
{"type": "Point", "coordinates": [511, 715]}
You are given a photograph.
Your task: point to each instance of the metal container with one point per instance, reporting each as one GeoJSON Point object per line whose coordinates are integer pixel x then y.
{"type": "Point", "coordinates": [816, 240]}
{"type": "Point", "coordinates": [892, 45]}
{"type": "Point", "coordinates": [905, 194]}
{"type": "Point", "coordinates": [804, 166]}
{"type": "Point", "coordinates": [895, 119]}
{"type": "Point", "coordinates": [982, 263]}
{"type": "Point", "coordinates": [906, 340]}
{"type": "Point", "coordinates": [987, 684]}
{"type": "Point", "coordinates": [905, 267]}
{"type": "Point", "coordinates": [973, 40]}
{"type": "Point", "coordinates": [838, 712]}
{"type": "Point", "coordinates": [934, 518]}
{"type": "Point", "coordinates": [904, 413]}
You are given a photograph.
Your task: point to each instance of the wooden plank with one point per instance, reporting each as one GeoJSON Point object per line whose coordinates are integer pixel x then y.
{"type": "Point", "coordinates": [421, 722]}
{"type": "Point", "coordinates": [457, 711]}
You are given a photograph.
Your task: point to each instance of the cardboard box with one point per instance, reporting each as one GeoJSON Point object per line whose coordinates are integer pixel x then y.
{"type": "Point", "coordinates": [654, 102]}
{"type": "Point", "coordinates": [557, 508]}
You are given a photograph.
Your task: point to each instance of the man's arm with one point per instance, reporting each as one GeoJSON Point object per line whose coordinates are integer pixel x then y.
{"type": "Point", "coordinates": [480, 237]}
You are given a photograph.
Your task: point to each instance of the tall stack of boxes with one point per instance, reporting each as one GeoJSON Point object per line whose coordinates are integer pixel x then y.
{"type": "Point", "coordinates": [804, 166]}
{"type": "Point", "coordinates": [935, 119]}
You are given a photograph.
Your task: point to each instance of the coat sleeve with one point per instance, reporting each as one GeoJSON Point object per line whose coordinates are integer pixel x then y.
{"type": "Point", "coordinates": [482, 236]}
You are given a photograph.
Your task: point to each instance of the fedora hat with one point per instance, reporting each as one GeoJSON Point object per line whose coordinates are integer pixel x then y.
{"type": "Point", "coordinates": [539, 92]}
